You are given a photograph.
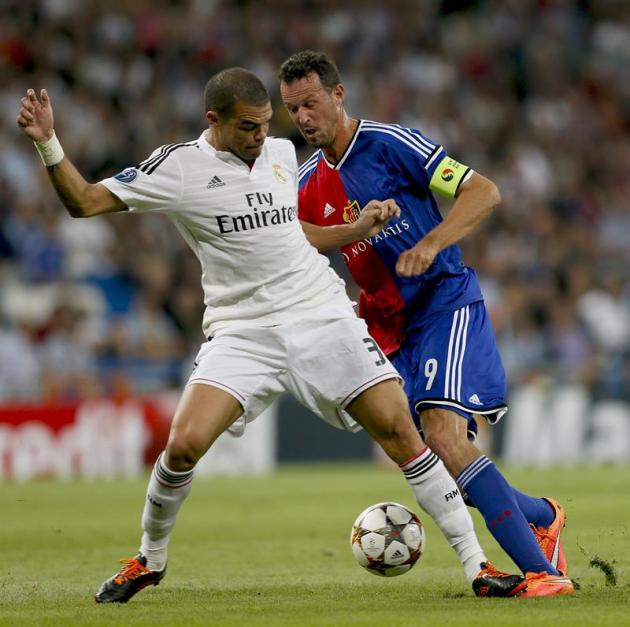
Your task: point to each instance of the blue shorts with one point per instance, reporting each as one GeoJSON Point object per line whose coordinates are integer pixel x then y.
{"type": "Point", "coordinates": [452, 362]}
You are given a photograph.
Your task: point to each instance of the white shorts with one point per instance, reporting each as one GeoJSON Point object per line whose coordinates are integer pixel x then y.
{"type": "Point", "coordinates": [325, 364]}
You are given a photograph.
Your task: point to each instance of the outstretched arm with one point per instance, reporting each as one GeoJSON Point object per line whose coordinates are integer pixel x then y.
{"type": "Point", "coordinates": [372, 219]}
{"type": "Point", "coordinates": [81, 199]}
{"type": "Point", "coordinates": [477, 197]}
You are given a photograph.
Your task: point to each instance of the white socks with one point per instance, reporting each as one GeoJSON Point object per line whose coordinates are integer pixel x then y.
{"type": "Point", "coordinates": [434, 490]}
{"type": "Point", "coordinates": [437, 493]}
{"type": "Point", "coordinates": [165, 494]}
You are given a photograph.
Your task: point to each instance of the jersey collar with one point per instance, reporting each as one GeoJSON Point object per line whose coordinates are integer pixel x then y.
{"type": "Point", "coordinates": [346, 152]}
{"type": "Point", "coordinates": [224, 155]}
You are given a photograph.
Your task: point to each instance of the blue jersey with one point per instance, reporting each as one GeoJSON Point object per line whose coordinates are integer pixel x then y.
{"type": "Point", "coordinates": [390, 161]}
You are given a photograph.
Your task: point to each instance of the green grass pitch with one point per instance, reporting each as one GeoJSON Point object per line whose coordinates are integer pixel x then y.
{"type": "Point", "coordinates": [274, 551]}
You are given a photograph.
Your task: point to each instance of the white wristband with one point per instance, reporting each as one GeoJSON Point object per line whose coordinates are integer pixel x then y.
{"type": "Point", "coordinates": [50, 151]}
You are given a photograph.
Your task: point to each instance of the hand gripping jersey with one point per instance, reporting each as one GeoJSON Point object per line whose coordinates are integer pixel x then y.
{"type": "Point", "coordinates": [258, 269]}
{"type": "Point", "coordinates": [389, 161]}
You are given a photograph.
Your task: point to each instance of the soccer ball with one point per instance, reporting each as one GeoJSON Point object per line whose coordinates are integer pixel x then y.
{"type": "Point", "coordinates": [387, 539]}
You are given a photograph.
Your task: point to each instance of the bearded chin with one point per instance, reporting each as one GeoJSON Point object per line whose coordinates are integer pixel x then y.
{"type": "Point", "coordinates": [316, 143]}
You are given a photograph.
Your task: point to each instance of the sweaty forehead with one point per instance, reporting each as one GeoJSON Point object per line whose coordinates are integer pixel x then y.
{"type": "Point", "coordinates": [254, 113]}
{"type": "Point", "coordinates": [301, 88]}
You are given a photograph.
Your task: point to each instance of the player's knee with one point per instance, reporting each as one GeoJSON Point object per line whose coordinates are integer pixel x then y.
{"type": "Point", "coordinates": [396, 425]}
{"type": "Point", "coordinates": [442, 443]}
{"type": "Point", "coordinates": [181, 454]}
{"type": "Point", "coordinates": [448, 446]}
{"type": "Point", "coordinates": [399, 437]}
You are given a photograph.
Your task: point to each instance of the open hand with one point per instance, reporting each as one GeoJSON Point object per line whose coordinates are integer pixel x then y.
{"type": "Point", "coordinates": [36, 116]}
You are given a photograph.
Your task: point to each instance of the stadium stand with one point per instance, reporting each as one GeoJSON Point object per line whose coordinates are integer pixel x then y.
{"type": "Point", "coordinates": [533, 93]}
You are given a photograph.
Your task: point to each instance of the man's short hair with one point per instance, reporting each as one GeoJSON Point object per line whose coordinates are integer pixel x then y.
{"type": "Point", "coordinates": [234, 84]}
{"type": "Point", "coordinates": [301, 64]}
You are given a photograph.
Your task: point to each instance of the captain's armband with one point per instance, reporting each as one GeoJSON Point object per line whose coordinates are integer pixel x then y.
{"type": "Point", "coordinates": [448, 176]}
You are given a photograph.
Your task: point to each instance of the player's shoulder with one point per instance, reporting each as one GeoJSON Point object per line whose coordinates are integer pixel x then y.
{"type": "Point", "coordinates": [281, 148]}
{"type": "Point", "coordinates": [387, 128]}
{"type": "Point", "coordinates": [162, 157]}
{"type": "Point", "coordinates": [397, 136]}
{"type": "Point", "coordinates": [281, 143]}
{"type": "Point", "coordinates": [309, 167]}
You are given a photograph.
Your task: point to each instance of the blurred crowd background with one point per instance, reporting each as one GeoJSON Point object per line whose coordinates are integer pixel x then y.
{"type": "Point", "coordinates": [534, 94]}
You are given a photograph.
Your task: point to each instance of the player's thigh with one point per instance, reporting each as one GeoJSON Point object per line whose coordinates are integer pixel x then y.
{"type": "Point", "coordinates": [204, 412]}
{"type": "Point", "coordinates": [382, 411]}
{"type": "Point", "coordinates": [234, 379]}
{"type": "Point", "coordinates": [453, 363]}
{"type": "Point", "coordinates": [331, 363]}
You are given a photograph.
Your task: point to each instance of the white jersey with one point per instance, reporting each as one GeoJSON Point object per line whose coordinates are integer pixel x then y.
{"type": "Point", "coordinates": [258, 268]}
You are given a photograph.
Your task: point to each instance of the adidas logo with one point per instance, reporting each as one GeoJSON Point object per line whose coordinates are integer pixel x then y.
{"type": "Point", "coordinates": [474, 399]}
{"type": "Point", "coordinates": [328, 210]}
{"type": "Point", "coordinates": [396, 554]}
{"type": "Point", "coordinates": [215, 182]}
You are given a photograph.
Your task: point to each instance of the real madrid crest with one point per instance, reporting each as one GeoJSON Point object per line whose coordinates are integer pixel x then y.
{"type": "Point", "coordinates": [278, 173]}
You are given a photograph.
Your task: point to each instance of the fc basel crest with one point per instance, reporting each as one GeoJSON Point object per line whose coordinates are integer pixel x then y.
{"type": "Point", "coordinates": [351, 212]}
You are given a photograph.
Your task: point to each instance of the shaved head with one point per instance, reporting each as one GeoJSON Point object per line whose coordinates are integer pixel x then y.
{"type": "Point", "coordinates": [230, 86]}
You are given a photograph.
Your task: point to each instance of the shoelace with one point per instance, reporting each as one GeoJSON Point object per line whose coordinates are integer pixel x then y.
{"type": "Point", "coordinates": [493, 572]}
{"type": "Point", "coordinates": [132, 569]}
{"type": "Point", "coordinates": [542, 575]}
{"type": "Point", "coordinates": [542, 534]}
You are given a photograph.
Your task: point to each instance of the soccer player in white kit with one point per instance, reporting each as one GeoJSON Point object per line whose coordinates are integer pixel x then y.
{"type": "Point", "coordinates": [277, 316]}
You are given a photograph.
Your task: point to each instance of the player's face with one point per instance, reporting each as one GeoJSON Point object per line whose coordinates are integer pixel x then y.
{"type": "Point", "coordinates": [313, 109]}
{"type": "Point", "coordinates": [244, 132]}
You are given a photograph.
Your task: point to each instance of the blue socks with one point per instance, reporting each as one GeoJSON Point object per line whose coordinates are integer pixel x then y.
{"type": "Point", "coordinates": [536, 511]}
{"type": "Point", "coordinates": [499, 504]}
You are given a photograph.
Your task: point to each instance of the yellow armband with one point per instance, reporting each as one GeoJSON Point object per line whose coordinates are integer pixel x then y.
{"type": "Point", "coordinates": [447, 177]}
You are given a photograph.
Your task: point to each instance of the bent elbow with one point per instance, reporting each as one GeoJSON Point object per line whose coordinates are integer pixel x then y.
{"type": "Point", "coordinates": [93, 201]}
{"type": "Point", "coordinates": [77, 210]}
{"type": "Point", "coordinates": [494, 196]}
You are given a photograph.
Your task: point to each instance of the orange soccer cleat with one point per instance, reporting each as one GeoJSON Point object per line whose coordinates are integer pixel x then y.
{"type": "Point", "coordinates": [131, 578]}
{"type": "Point", "coordinates": [549, 540]}
{"type": "Point", "coordinates": [545, 585]}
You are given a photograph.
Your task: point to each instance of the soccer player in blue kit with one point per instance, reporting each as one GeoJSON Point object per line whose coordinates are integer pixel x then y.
{"type": "Point", "coordinates": [421, 303]}
{"type": "Point", "coordinates": [277, 316]}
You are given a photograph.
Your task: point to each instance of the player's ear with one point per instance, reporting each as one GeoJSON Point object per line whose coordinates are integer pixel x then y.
{"type": "Point", "coordinates": [212, 118]}
{"type": "Point", "coordinates": [338, 94]}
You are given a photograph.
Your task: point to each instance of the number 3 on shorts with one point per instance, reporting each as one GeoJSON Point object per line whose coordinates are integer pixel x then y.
{"type": "Point", "coordinates": [373, 346]}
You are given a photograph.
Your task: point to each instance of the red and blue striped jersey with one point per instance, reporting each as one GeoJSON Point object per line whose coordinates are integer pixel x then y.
{"type": "Point", "coordinates": [389, 161]}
